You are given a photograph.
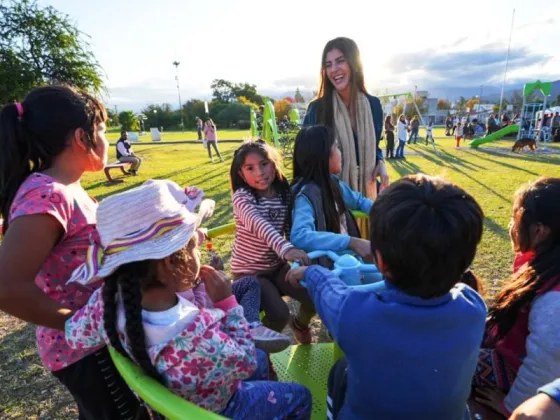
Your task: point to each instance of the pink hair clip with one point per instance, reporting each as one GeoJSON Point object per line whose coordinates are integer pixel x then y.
{"type": "Point", "coordinates": [19, 107]}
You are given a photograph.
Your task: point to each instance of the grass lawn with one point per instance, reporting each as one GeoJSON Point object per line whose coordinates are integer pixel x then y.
{"type": "Point", "coordinates": [113, 135]}
{"type": "Point", "coordinates": [490, 174]}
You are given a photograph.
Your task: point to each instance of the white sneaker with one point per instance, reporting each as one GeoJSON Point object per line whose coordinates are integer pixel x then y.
{"type": "Point", "coordinates": [269, 340]}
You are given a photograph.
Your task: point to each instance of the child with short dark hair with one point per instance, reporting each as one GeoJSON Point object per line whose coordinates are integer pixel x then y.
{"type": "Point", "coordinates": [411, 347]}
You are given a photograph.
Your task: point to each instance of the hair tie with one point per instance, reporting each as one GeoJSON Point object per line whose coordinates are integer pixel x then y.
{"type": "Point", "coordinates": [19, 107]}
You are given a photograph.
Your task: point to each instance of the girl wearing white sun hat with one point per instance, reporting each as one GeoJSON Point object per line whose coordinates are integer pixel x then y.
{"type": "Point", "coordinates": [145, 259]}
{"type": "Point", "coordinates": [247, 289]}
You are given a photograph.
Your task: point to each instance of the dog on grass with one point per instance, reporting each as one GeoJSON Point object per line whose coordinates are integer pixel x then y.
{"type": "Point", "coordinates": [522, 144]}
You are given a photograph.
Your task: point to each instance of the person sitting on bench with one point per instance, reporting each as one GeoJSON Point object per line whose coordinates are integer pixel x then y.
{"type": "Point", "coordinates": [125, 154]}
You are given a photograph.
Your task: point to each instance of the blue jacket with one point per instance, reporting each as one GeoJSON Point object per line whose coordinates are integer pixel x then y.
{"type": "Point", "coordinates": [376, 112]}
{"type": "Point", "coordinates": [408, 358]}
{"type": "Point", "coordinates": [304, 235]}
{"type": "Point", "coordinates": [552, 390]}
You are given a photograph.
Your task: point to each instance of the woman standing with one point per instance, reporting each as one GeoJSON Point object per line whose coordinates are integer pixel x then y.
{"type": "Point", "coordinates": [212, 139]}
{"type": "Point", "coordinates": [357, 117]}
{"type": "Point", "coordinates": [402, 127]}
{"type": "Point", "coordinates": [390, 134]}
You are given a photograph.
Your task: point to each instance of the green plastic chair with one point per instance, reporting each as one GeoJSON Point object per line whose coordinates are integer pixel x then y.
{"type": "Point", "coordinates": [305, 365]}
{"type": "Point", "coordinates": [157, 396]}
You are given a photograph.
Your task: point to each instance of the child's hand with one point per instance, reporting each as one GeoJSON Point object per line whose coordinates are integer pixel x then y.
{"type": "Point", "coordinates": [540, 407]}
{"type": "Point", "coordinates": [192, 192]}
{"type": "Point", "coordinates": [297, 255]}
{"type": "Point", "coordinates": [362, 247]}
{"type": "Point", "coordinates": [491, 398]}
{"type": "Point", "coordinates": [296, 275]}
{"type": "Point", "coordinates": [216, 262]}
{"type": "Point", "coordinates": [206, 210]}
{"type": "Point", "coordinates": [218, 286]}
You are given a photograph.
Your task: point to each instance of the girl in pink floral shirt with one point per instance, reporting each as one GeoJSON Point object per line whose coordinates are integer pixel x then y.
{"type": "Point", "coordinates": [48, 141]}
{"type": "Point", "coordinates": [203, 355]}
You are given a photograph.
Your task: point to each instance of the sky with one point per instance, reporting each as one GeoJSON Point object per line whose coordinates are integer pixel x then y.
{"type": "Point", "coordinates": [278, 45]}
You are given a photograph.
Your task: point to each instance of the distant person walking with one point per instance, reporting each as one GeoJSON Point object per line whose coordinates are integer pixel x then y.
{"type": "Point", "coordinates": [199, 127]}
{"type": "Point", "coordinates": [211, 136]}
{"type": "Point", "coordinates": [414, 127]}
{"type": "Point", "coordinates": [125, 154]}
{"type": "Point", "coordinates": [401, 133]}
{"type": "Point", "coordinates": [390, 135]}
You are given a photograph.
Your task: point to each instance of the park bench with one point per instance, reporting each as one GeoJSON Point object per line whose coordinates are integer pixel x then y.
{"type": "Point", "coordinates": [115, 165]}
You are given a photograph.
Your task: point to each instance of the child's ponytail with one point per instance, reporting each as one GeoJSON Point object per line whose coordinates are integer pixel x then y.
{"type": "Point", "coordinates": [15, 156]}
{"type": "Point", "coordinates": [33, 133]}
{"type": "Point", "coordinates": [127, 283]}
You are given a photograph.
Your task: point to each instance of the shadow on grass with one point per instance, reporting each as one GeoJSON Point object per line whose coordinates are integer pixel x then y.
{"type": "Point", "coordinates": [498, 162]}
{"type": "Point", "coordinates": [461, 166]}
{"type": "Point", "coordinates": [404, 167]}
{"type": "Point", "coordinates": [28, 390]}
{"type": "Point", "coordinates": [524, 157]}
{"type": "Point", "coordinates": [497, 229]}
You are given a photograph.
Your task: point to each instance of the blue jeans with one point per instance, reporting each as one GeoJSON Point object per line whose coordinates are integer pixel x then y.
{"type": "Point", "coordinates": [260, 399]}
{"type": "Point", "coordinates": [400, 149]}
{"type": "Point", "coordinates": [413, 136]}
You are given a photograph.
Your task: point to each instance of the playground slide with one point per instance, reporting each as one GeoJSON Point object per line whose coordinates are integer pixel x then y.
{"type": "Point", "coordinates": [497, 135]}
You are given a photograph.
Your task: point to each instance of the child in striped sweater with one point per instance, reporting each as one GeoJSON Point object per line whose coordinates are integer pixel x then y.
{"type": "Point", "coordinates": [261, 208]}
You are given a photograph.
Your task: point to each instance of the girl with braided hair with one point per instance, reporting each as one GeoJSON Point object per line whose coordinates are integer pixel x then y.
{"type": "Point", "coordinates": [206, 356]}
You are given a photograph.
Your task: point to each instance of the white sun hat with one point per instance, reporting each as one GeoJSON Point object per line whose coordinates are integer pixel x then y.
{"type": "Point", "coordinates": [143, 223]}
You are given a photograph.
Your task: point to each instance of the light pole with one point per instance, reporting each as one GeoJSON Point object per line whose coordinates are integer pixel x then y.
{"type": "Point", "coordinates": [176, 64]}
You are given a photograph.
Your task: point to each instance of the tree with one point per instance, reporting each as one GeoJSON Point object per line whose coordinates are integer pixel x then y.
{"type": "Point", "coordinates": [282, 108]}
{"type": "Point", "coordinates": [299, 97]}
{"type": "Point", "coordinates": [245, 89]}
{"type": "Point", "coordinates": [471, 103]}
{"type": "Point", "coordinates": [191, 109]}
{"type": "Point", "coordinates": [557, 101]}
{"type": "Point", "coordinates": [41, 46]}
{"type": "Point", "coordinates": [161, 115]}
{"type": "Point", "coordinates": [128, 121]}
{"type": "Point", "coordinates": [243, 100]}
{"type": "Point", "coordinates": [231, 114]}
{"type": "Point", "coordinates": [461, 102]}
{"type": "Point", "coordinates": [222, 91]}
{"type": "Point", "coordinates": [442, 104]}
{"type": "Point", "coordinates": [517, 100]}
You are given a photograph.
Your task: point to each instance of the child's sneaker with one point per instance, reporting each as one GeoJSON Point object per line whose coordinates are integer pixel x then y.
{"type": "Point", "coordinates": [302, 335]}
{"type": "Point", "coordinates": [269, 340]}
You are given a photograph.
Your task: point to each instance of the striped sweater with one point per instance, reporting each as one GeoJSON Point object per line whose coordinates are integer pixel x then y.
{"type": "Point", "coordinates": [261, 228]}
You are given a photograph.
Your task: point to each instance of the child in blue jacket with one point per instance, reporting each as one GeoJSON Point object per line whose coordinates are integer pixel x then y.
{"type": "Point", "coordinates": [410, 348]}
{"type": "Point", "coordinates": [321, 218]}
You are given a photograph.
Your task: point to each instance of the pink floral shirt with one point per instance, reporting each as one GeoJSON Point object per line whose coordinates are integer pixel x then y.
{"type": "Point", "coordinates": [204, 363]}
{"type": "Point", "coordinates": [41, 194]}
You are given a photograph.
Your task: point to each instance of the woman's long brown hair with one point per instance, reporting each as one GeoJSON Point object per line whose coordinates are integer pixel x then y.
{"type": "Point", "coordinates": [537, 203]}
{"type": "Point", "coordinates": [348, 47]}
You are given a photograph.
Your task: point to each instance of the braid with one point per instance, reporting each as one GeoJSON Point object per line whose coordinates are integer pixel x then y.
{"type": "Point", "coordinates": [132, 300]}
{"type": "Point", "coordinates": [110, 289]}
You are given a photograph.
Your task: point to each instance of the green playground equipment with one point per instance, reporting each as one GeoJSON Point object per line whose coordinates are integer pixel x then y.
{"type": "Point", "coordinates": [270, 128]}
{"type": "Point", "coordinates": [294, 116]}
{"type": "Point", "coordinates": [307, 365]}
{"type": "Point", "coordinates": [253, 120]}
{"type": "Point", "coordinates": [496, 135]}
{"type": "Point", "coordinates": [529, 112]}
